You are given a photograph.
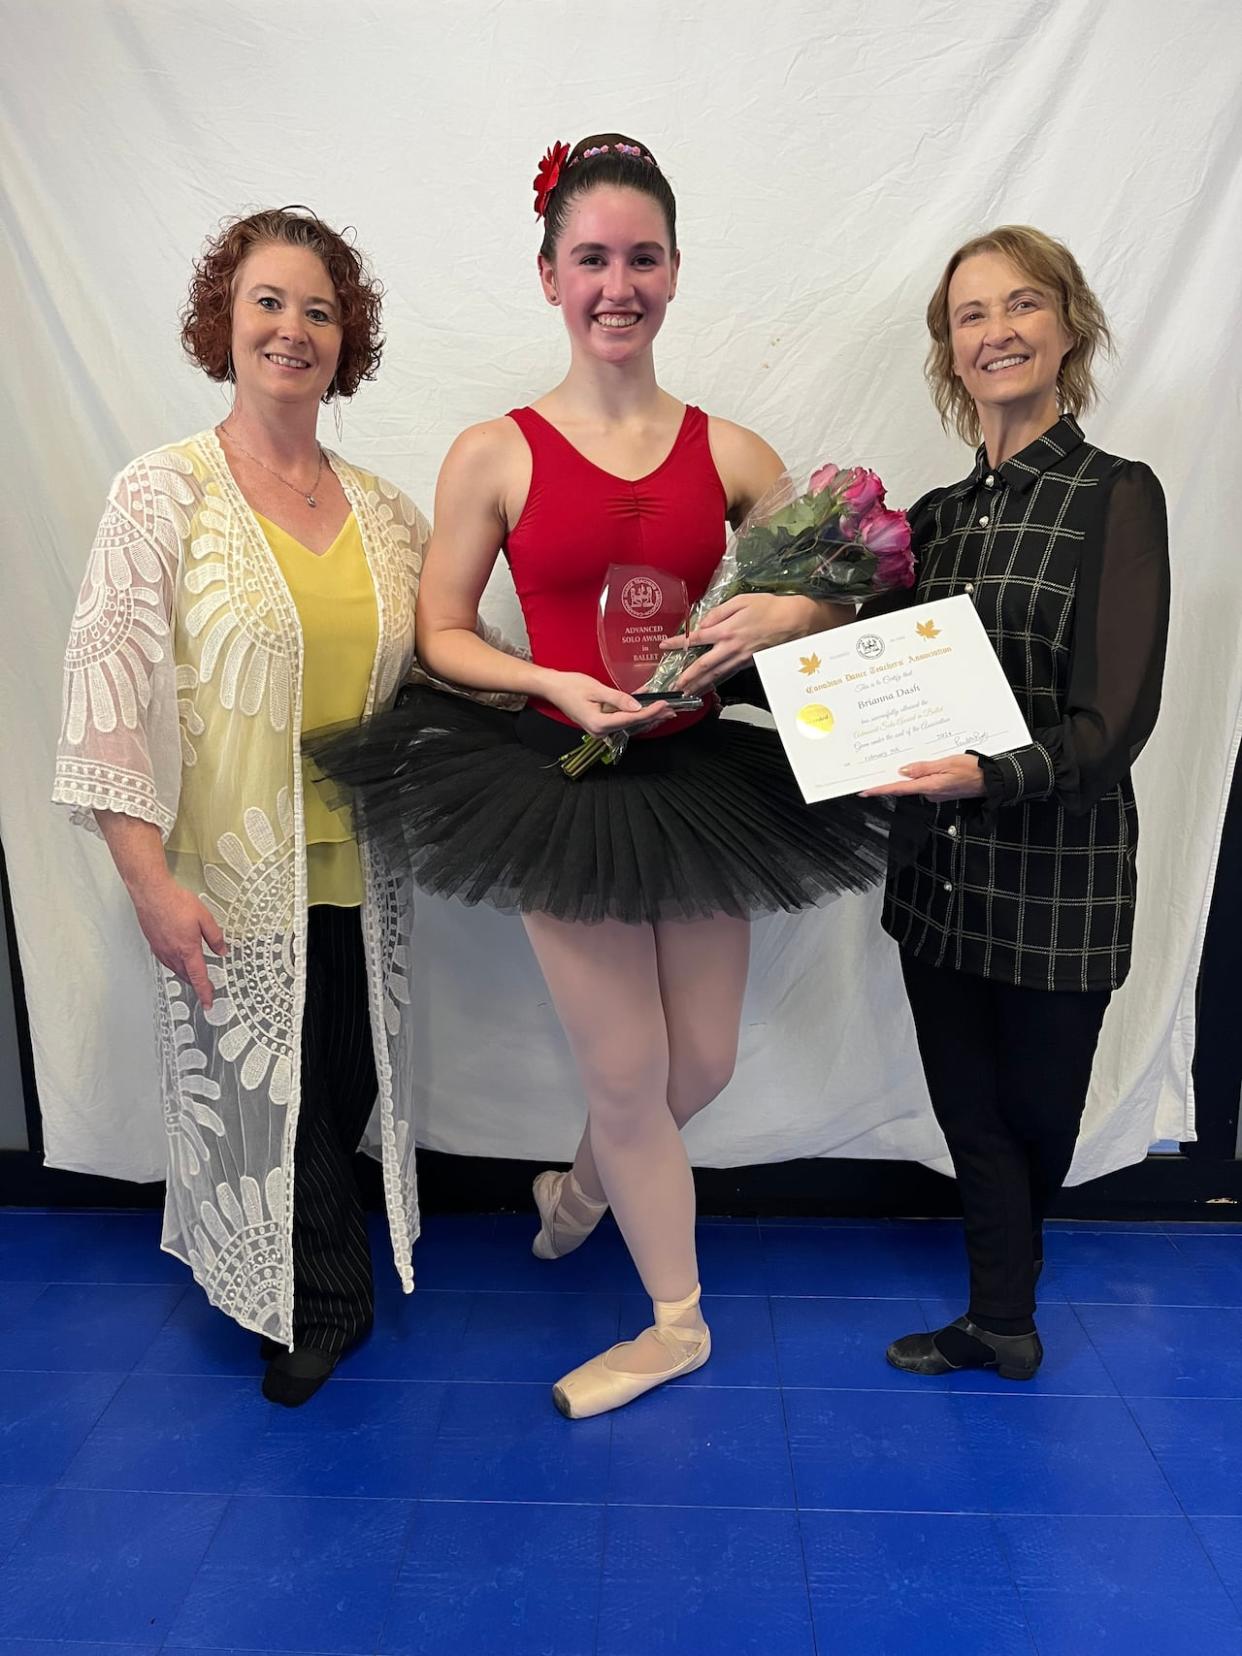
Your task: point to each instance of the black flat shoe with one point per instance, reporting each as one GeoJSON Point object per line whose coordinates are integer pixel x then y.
{"type": "Point", "coordinates": [293, 1377]}
{"type": "Point", "coordinates": [1013, 1356]}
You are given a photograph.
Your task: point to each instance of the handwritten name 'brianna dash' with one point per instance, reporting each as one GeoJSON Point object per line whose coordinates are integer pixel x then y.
{"type": "Point", "coordinates": [890, 697]}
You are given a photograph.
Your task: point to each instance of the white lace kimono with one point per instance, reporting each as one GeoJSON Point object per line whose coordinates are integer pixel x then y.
{"type": "Point", "coordinates": [183, 702]}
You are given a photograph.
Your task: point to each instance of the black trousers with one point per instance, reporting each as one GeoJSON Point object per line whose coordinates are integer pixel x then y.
{"type": "Point", "coordinates": [333, 1294]}
{"type": "Point", "coordinates": [1007, 1070]}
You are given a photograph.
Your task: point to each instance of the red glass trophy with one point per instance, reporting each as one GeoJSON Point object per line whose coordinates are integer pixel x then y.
{"type": "Point", "coordinates": [639, 606]}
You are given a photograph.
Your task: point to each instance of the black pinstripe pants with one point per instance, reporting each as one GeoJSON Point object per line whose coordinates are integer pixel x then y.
{"type": "Point", "coordinates": [333, 1296]}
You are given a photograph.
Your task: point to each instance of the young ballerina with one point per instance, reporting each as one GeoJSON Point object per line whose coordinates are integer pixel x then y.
{"type": "Point", "coordinates": [635, 882]}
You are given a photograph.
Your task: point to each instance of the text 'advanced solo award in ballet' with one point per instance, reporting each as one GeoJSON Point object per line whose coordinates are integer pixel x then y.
{"type": "Point", "coordinates": [638, 608]}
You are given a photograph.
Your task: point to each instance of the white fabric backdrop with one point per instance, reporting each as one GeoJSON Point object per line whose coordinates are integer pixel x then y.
{"type": "Point", "coordinates": [827, 156]}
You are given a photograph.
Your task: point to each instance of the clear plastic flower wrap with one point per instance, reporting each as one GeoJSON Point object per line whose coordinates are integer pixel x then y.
{"type": "Point", "coordinates": [829, 538]}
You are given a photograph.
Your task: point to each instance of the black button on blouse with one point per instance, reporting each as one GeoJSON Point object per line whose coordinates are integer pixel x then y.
{"type": "Point", "coordinates": [1064, 551]}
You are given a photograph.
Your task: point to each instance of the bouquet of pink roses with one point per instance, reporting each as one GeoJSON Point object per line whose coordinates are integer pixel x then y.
{"type": "Point", "coordinates": [833, 539]}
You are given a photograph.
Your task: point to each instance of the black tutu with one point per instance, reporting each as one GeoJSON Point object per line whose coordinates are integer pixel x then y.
{"type": "Point", "coordinates": [706, 821]}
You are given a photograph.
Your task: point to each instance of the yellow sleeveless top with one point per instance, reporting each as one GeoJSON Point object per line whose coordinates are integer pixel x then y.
{"type": "Point", "coordinates": [335, 599]}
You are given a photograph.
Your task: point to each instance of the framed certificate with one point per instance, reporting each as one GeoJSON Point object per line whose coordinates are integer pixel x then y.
{"type": "Point", "coordinates": [854, 704]}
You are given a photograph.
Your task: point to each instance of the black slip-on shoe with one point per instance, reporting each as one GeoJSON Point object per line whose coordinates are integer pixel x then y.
{"type": "Point", "coordinates": [293, 1377]}
{"type": "Point", "coordinates": [1013, 1356]}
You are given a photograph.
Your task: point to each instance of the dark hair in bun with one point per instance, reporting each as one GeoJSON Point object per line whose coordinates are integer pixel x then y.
{"type": "Point", "coordinates": [606, 158]}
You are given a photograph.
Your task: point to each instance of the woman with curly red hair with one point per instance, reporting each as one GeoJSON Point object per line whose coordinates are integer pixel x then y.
{"type": "Point", "coordinates": [246, 586]}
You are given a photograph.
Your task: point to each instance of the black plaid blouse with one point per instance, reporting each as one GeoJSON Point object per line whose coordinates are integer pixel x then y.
{"type": "Point", "coordinates": [1065, 553]}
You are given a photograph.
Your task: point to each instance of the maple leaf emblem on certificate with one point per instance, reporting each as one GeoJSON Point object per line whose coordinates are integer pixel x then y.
{"type": "Point", "coordinates": [927, 629]}
{"type": "Point", "coordinates": [809, 664]}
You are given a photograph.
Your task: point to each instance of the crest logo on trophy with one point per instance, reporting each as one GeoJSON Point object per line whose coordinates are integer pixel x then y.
{"type": "Point", "coordinates": [641, 597]}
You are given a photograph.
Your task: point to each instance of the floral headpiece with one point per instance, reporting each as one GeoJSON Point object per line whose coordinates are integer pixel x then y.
{"type": "Point", "coordinates": [549, 176]}
{"type": "Point", "coordinates": [556, 161]}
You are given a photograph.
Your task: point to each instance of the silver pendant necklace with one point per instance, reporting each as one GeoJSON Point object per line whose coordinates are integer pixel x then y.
{"type": "Point", "coordinates": [222, 431]}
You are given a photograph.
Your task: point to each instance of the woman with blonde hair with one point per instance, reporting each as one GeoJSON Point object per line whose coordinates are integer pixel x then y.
{"type": "Point", "coordinates": [1015, 921]}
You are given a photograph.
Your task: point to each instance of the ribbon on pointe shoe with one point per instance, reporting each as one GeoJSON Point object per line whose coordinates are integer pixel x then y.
{"type": "Point", "coordinates": [561, 1232]}
{"type": "Point", "coordinates": [606, 1383]}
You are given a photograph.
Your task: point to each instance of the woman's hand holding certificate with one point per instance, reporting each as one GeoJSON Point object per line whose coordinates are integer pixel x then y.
{"type": "Point", "coordinates": [956, 776]}
{"type": "Point", "coordinates": [891, 705]}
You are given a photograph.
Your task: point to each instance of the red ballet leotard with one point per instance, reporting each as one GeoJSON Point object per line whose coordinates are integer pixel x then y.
{"type": "Point", "coordinates": [578, 519]}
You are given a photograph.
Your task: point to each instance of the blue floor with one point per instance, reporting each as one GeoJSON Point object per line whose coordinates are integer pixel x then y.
{"type": "Point", "coordinates": [794, 1496]}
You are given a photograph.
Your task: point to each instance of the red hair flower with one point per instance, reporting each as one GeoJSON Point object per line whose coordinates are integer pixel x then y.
{"type": "Point", "coordinates": [548, 176]}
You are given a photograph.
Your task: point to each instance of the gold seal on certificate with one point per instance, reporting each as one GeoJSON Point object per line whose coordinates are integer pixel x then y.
{"type": "Point", "coordinates": [855, 704]}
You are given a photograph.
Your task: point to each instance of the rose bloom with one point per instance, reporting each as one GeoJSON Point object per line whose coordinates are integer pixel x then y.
{"type": "Point", "coordinates": [887, 535]}
{"type": "Point", "coordinates": [863, 491]}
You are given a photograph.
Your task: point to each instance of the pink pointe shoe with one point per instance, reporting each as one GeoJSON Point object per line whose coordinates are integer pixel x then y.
{"type": "Point", "coordinates": [561, 1232]}
{"type": "Point", "coordinates": [606, 1383]}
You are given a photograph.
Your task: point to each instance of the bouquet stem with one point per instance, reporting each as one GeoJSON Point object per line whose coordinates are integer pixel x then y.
{"type": "Point", "coordinates": [588, 751]}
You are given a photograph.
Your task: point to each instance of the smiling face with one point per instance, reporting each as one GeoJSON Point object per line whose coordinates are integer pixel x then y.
{"type": "Point", "coordinates": [1007, 335]}
{"type": "Point", "coordinates": [286, 338]}
{"type": "Point", "coordinates": [614, 272]}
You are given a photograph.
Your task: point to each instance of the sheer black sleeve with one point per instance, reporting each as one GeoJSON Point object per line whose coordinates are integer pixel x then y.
{"type": "Point", "coordinates": [1116, 659]}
